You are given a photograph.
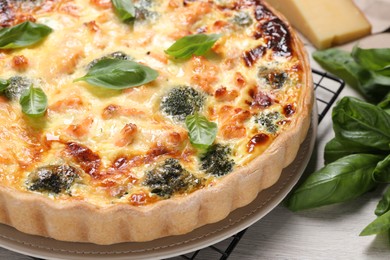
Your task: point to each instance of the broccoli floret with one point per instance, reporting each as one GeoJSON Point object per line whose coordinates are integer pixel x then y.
{"type": "Point", "coordinates": [115, 55]}
{"type": "Point", "coordinates": [268, 121]}
{"type": "Point", "coordinates": [169, 178]}
{"type": "Point", "coordinates": [182, 101]}
{"type": "Point", "coordinates": [144, 3]}
{"type": "Point", "coordinates": [52, 178]}
{"type": "Point", "coordinates": [242, 19]}
{"type": "Point", "coordinates": [142, 10]}
{"type": "Point", "coordinates": [17, 85]}
{"type": "Point", "coordinates": [119, 56]}
{"type": "Point", "coordinates": [217, 161]}
{"type": "Point", "coordinates": [273, 78]}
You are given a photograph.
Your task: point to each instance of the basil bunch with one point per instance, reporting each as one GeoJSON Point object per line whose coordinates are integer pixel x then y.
{"type": "Point", "coordinates": [357, 160]}
{"type": "Point", "coordinates": [197, 44]}
{"type": "Point", "coordinates": [358, 157]}
{"type": "Point", "coordinates": [368, 70]}
{"type": "Point", "coordinates": [118, 74]}
{"type": "Point", "coordinates": [202, 132]}
{"type": "Point", "coordinates": [361, 144]}
{"type": "Point", "coordinates": [23, 35]}
{"type": "Point", "coordinates": [33, 100]}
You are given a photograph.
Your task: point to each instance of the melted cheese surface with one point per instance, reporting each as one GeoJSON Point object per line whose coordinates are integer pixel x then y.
{"type": "Point", "coordinates": [116, 137]}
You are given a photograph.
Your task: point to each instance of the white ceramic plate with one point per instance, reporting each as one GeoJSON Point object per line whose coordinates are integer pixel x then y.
{"type": "Point", "coordinates": [202, 237]}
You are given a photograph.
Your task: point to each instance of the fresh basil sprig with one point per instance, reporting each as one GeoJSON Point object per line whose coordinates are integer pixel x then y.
{"type": "Point", "coordinates": [342, 180]}
{"type": "Point", "coordinates": [33, 102]}
{"type": "Point", "coordinates": [384, 204]}
{"type": "Point", "coordinates": [358, 69]}
{"type": "Point", "coordinates": [124, 9]}
{"type": "Point", "coordinates": [23, 35]}
{"type": "Point", "coordinates": [382, 222]}
{"type": "Point", "coordinates": [118, 74]}
{"type": "Point", "coordinates": [362, 123]}
{"type": "Point", "coordinates": [373, 59]}
{"type": "Point", "coordinates": [385, 103]}
{"type": "Point", "coordinates": [202, 132]}
{"type": "Point", "coordinates": [197, 44]}
{"type": "Point", "coordinates": [358, 158]}
{"type": "Point", "coordinates": [357, 161]}
{"type": "Point", "coordinates": [336, 149]}
{"type": "Point", "coordinates": [382, 171]}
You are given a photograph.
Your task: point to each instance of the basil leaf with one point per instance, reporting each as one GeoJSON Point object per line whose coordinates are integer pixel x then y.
{"type": "Point", "coordinates": [3, 85]}
{"type": "Point", "coordinates": [379, 225]}
{"type": "Point", "coordinates": [373, 85]}
{"type": "Point", "coordinates": [201, 131]}
{"type": "Point", "coordinates": [118, 74]}
{"type": "Point", "coordinates": [342, 180]}
{"type": "Point", "coordinates": [373, 59]}
{"type": "Point", "coordinates": [382, 171]}
{"type": "Point", "coordinates": [361, 123]}
{"type": "Point", "coordinates": [384, 204]}
{"type": "Point", "coordinates": [124, 9]}
{"type": "Point", "coordinates": [23, 35]}
{"type": "Point", "coordinates": [33, 102]}
{"type": "Point", "coordinates": [197, 44]}
{"type": "Point", "coordinates": [336, 149]}
{"type": "Point", "coordinates": [385, 103]}
{"type": "Point", "coordinates": [340, 63]}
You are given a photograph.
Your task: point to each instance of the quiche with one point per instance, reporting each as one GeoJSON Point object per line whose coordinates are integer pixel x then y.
{"type": "Point", "coordinates": [128, 121]}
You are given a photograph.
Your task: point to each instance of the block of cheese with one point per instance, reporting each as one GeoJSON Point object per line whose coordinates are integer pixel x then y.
{"type": "Point", "coordinates": [325, 22]}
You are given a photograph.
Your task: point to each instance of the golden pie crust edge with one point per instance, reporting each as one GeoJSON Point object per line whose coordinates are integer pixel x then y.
{"type": "Point", "coordinates": [78, 221]}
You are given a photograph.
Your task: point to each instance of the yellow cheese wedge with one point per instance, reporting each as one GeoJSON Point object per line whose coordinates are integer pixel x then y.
{"type": "Point", "coordinates": [325, 22]}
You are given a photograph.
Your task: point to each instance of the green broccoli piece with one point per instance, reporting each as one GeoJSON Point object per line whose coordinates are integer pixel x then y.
{"type": "Point", "coordinates": [16, 87]}
{"type": "Point", "coordinates": [268, 121]}
{"type": "Point", "coordinates": [52, 178]}
{"type": "Point", "coordinates": [217, 161]}
{"type": "Point", "coordinates": [242, 19]}
{"type": "Point", "coordinates": [182, 101]}
{"type": "Point", "coordinates": [170, 178]}
{"type": "Point", "coordinates": [142, 10]}
{"type": "Point", "coordinates": [273, 78]}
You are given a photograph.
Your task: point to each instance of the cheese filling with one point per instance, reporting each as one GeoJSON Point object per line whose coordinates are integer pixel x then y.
{"type": "Point", "coordinates": [119, 146]}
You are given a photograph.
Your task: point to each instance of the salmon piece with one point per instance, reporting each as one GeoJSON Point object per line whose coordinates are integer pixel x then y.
{"type": "Point", "coordinates": [126, 135]}
{"type": "Point", "coordinates": [231, 131]}
{"type": "Point", "coordinates": [72, 102]}
{"type": "Point", "coordinates": [82, 129]}
{"type": "Point", "coordinates": [19, 62]}
{"type": "Point", "coordinates": [92, 26]}
{"type": "Point", "coordinates": [233, 114]}
{"type": "Point", "coordinates": [160, 57]}
{"type": "Point", "coordinates": [240, 80]}
{"type": "Point", "coordinates": [205, 74]}
{"type": "Point", "coordinates": [222, 94]}
{"type": "Point", "coordinates": [103, 4]}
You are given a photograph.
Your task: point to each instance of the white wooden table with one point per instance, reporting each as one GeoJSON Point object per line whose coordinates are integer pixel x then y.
{"type": "Point", "coordinates": [331, 232]}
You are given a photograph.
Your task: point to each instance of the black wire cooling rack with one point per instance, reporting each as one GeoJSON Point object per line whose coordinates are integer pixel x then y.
{"type": "Point", "coordinates": [327, 90]}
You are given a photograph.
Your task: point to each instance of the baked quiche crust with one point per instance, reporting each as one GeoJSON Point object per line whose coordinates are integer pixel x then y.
{"type": "Point", "coordinates": [80, 220]}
